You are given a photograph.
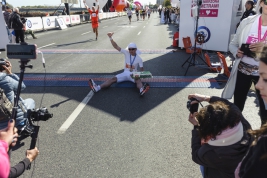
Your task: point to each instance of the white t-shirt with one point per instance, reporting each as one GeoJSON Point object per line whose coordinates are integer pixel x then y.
{"type": "Point", "coordinates": [253, 38]}
{"type": "Point", "coordinates": [129, 59]}
{"type": "Point", "coordinates": [129, 13]}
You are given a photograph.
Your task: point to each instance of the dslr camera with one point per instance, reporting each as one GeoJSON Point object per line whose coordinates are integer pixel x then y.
{"type": "Point", "coordinates": [39, 114]}
{"type": "Point", "coordinates": [192, 107]}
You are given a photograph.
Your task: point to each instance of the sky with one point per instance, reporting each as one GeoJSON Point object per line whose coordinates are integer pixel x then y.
{"type": "Point", "coordinates": [19, 3]}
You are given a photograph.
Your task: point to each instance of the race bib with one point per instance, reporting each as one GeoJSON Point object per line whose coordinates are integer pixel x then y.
{"type": "Point", "coordinates": [93, 14]}
{"type": "Point", "coordinates": [252, 39]}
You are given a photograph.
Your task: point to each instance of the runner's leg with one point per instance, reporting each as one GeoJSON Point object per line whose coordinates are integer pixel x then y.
{"type": "Point", "coordinates": [108, 83]}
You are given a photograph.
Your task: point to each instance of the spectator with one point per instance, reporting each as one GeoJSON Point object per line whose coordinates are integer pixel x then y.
{"type": "Point", "coordinates": [6, 12]}
{"type": "Point", "coordinates": [16, 24]}
{"type": "Point", "coordinates": [254, 164]}
{"type": "Point", "coordinates": [219, 138]}
{"type": "Point", "coordinates": [9, 83]}
{"type": "Point", "coordinates": [64, 11]}
{"type": "Point", "coordinates": [249, 11]}
{"type": "Point", "coordinates": [245, 69]}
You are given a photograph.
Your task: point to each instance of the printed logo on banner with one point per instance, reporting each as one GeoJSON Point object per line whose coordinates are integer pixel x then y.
{"type": "Point", "coordinates": [29, 23]}
{"type": "Point", "coordinates": [60, 21]}
{"type": "Point", "coordinates": [77, 18]}
{"type": "Point", "coordinates": [205, 32]}
{"type": "Point", "coordinates": [67, 19]}
{"type": "Point", "coordinates": [209, 8]}
{"type": "Point", "coordinates": [48, 22]}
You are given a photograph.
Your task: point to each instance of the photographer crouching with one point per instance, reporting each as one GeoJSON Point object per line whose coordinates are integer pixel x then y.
{"type": "Point", "coordinates": [219, 138]}
{"type": "Point", "coordinates": [9, 83]}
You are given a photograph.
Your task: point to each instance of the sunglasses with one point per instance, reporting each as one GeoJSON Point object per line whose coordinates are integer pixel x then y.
{"type": "Point", "coordinates": [131, 49]}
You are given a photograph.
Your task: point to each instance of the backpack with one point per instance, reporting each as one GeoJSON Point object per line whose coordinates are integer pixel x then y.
{"type": "Point", "coordinates": [5, 106]}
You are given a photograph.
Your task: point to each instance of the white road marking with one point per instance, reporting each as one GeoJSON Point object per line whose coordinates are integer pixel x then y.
{"type": "Point", "coordinates": [46, 45]}
{"type": "Point", "coordinates": [139, 33]}
{"type": "Point", "coordinates": [105, 26]}
{"type": "Point", "coordinates": [144, 26]}
{"type": "Point", "coordinates": [85, 33]}
{"type": "Point", "coordinates": [75, 113]}
{"type": "Point", "coordinates": [127, 26]}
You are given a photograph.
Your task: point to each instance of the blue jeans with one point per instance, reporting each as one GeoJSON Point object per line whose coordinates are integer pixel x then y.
{"type": "Point", "coordinates": [202, 170]}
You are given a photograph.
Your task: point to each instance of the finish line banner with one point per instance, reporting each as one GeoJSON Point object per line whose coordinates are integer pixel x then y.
{"type": "Point", "coordinates": [215, 21]}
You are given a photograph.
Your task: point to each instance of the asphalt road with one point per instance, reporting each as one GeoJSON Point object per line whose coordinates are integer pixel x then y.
{"type": "Point", "coordinates": [117, 133]}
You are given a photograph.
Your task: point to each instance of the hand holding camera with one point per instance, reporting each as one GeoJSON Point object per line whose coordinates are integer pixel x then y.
{"type": "Point", "coordinates": [5, 65]}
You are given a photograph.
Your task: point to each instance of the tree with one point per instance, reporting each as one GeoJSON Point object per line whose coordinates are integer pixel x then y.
{"type": "Point", "coordinates": [167, 3]}
{"type": "Point", "coordinates": [155, 6]}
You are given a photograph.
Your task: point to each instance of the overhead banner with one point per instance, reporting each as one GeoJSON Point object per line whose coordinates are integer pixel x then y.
{"type": "Point", "coordinates": [70, 1]}
{"type": "Point", "coordinates": [215, 20]}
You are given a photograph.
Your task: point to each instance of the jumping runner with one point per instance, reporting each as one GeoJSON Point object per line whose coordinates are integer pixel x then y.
{"type": "Point", "coordinates": [132, 61]}
{"type": "Point", "coordinates": [94, 17]}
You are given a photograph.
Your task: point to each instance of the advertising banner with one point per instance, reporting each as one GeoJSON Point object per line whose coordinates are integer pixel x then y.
{"type": "Point", "coordinates": [34, 23]}
{"type": "Point", "coordinates": [214, 23]}
{"type": "Point", "coordinates": [49, 22]}
{"type": "Point", "coordinates": [74, 19]}
{"type": "Point", "coordinates": [66, 19]}
{"type": "Point", "coordinates": [61, 23]}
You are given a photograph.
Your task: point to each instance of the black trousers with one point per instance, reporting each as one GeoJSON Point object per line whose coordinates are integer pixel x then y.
{"type": "Point", "coordinates": [19, 36]}
{"type": "Point", "coordinates": [243, 84]}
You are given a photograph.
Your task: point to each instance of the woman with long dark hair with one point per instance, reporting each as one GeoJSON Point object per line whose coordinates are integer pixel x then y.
{"type": "Point", "coordinates": [254, 163]}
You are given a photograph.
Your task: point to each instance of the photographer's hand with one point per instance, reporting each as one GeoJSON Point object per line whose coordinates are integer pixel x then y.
{"type": "Point", "coordinates": [8, 67]}
{"type": "Point", "coordinates": [199, 97]}
{"type": "Point", "coordinates": [32, 154]}
{"type": "Point", "coordinates": [192, 119]}
{"type": "Point", "coordinates": [8, 134]}
{"type": "Point", "coordinates": [256, 47]}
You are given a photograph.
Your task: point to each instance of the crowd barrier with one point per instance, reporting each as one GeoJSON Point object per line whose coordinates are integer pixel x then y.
{"type": "Point", "coordinates": [50, 22]}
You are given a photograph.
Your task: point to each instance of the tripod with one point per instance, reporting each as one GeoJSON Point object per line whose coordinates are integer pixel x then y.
{"type": "Point", "coordinates": [191, 60]}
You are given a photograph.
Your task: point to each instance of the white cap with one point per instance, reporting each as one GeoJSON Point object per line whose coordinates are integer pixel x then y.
{"type": "Point", "coordinates": [132, 45]}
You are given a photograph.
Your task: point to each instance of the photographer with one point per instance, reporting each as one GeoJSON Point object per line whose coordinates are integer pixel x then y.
{"type": "Point", "coordinates": [219, 138]}
{"type": "Point", "coordinates": [9, 83]}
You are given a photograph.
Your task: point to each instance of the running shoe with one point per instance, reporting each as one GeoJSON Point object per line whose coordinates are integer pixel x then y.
{"type": "Point", "coordinates": [92, 85]}
{"type": "Point", "coordinates": [145, 89]}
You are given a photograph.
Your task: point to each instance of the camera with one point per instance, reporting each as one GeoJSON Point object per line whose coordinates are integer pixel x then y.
{"type": "Point", "coordinates": [3, 63]}
{"type": "Point", "coordinates": [192, 107]}
{"type": "Point", "coordinates": [40, 114]}
{"type": "Point", "coordinates": [23, 20]}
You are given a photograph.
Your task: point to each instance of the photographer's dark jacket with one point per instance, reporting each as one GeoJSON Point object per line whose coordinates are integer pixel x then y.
{"type": "Point", "coordinates": [220, 161]}
{"type": "Point", "coordinates": [15, 22]}
{"type": "Point", "coordinates": [9, 83]}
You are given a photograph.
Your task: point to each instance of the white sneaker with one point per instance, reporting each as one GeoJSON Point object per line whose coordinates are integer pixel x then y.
{"type": "Point", "coordinates": [93, 86]}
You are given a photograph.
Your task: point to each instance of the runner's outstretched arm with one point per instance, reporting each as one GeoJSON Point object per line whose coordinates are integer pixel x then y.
{"type": "Point", "coordinates": [86, 5]}
{"type": "Point", "coordinates": [97, 5]}
{"type": "Point", "coordinates": [113, 42]}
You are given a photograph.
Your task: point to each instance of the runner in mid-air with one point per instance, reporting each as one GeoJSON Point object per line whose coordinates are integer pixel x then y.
{"type": "Point", "coordinates": [94, 17]}
{"type": "Point", "coordinates": [132, 62]}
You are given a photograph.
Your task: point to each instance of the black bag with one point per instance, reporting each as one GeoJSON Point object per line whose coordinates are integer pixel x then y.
{"type": "Point", "coordinates": [5, 106]}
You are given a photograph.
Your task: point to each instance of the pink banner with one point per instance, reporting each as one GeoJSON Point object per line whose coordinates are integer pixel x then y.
{"type": "Point", "coordinates": [209, 8]}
